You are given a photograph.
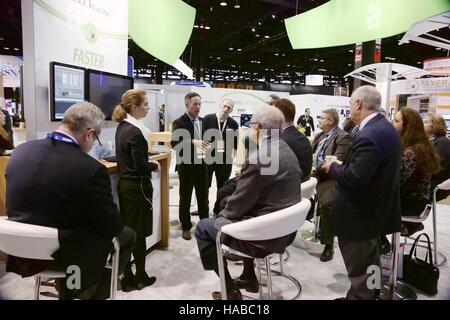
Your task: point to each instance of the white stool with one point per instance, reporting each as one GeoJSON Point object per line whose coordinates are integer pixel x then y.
{"type": "Point", "coordinates": [269, 226]}
{"type": "Point", "coordinates": [37, 242]}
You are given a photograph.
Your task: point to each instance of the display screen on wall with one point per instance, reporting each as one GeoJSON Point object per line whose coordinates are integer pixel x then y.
{"type": "Point", "coordinates": [67, 86]}
{"type": "Point", "coordinates": [105, 90]}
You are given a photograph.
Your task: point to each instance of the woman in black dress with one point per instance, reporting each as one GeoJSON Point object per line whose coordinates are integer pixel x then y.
{"type": "Point", "coordinates": [135, 187]}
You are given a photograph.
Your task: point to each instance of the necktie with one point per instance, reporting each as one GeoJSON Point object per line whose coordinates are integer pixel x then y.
{"type": "Point", "coordinates": [318, 162]}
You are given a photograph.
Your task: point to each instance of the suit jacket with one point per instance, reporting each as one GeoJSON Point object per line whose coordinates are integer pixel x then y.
{"type": "Point", "coordinates": [55, 184]}
{"type": "Point", "coordinates": [442, 145]}
{"type": "Point", "coordinates": [132, 152]}
{"type": "Point", "coordinates": [367, 202]}
{"type": "Point", "coordinates": [257, 194]}
{"type": "Point", "coordinates": [338, 145]}
{"type": "Point", "coordinates": [182, 134]}
{"type": "Point", "coordinates": [307, 124]}
{"type": "Point", "coordinates": [301, 147]}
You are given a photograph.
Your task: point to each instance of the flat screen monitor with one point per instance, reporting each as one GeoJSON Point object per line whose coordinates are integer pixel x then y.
{"type": "Point", "coordinates": [245, 120]}
{"type": "Point", "coordinates": [67, 87]}
{"type": "Point", "coordinates": [105, 90]}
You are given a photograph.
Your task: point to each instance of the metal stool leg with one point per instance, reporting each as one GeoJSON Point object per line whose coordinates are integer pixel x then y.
{"type": "Point", "coordinates": [394, 290]}
{"type": "Point", "coordinates": [223, 287]}
{"type": "Point", "coordinates": [269, 278]}
{"type": "Point", "coordinates": [114, 269]}
{"type": "Point", "coordinates": [37, 287]}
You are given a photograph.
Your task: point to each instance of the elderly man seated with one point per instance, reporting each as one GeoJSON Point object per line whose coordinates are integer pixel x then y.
{"type": "Point", "coordinates": [264, 187]}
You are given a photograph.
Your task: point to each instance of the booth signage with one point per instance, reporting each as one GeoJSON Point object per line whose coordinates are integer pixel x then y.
{"type": "Point", "coordinates": [437, 67]}
{"type": "Point", "coordinates": [10, 70]}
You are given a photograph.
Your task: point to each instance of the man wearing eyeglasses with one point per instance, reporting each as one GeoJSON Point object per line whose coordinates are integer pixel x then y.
{"type": "Point", "coordinates": [53, 182]}
{"type": "Point", "coordinates": [332, 141]}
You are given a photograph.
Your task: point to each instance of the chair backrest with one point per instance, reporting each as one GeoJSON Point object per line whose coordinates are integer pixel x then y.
{"type": "Point", "coordinates": [309, 188]}
{"type": "Point", "coordinates": [272, 225]}
{"type": "Point", "coordinates": [27, 241]}
{"type": "Point", "coordinates": [444, 185]}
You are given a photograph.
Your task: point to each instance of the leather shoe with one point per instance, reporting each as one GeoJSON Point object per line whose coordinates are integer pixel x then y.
{"type": "Point", "coordinates": [146, 281]}
{"type": "Point", "coordinates": [248, 285]}
{"type": "Point", "coordinates": [327, 253]}
{"type": "Point", "coordinates": [186, 234]}
{"type": "Point", "coordinates": [235, 295]}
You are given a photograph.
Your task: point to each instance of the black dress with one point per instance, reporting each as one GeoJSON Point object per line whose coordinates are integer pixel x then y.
{"type": "Point", "coordinates": [135, 187]}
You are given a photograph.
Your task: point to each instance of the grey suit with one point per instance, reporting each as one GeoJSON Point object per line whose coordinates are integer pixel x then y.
{"type": "Point", "coordinates": [337, 145]}
{"type": "Point", "coordinates": [256, 194]}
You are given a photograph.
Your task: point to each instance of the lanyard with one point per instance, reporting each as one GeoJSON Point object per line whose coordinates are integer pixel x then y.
{"type": "Point", "coordinates": [60, 137]}
{"type": "Point", "coordinates": [221, 129]}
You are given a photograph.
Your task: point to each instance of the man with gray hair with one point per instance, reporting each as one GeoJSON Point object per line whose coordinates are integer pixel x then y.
{"type": "Point", "coordinates": [269, 181]}
{"type": "Point", "coordinates": [54, 182]}
{"type": "Point", "coordinates": [332, 141]}
{"type": "Point", "coordinates": [367, 202]}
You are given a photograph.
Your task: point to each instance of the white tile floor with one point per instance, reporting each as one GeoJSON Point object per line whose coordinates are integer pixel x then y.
{"type": "Point", "coordinates": [180, 274]}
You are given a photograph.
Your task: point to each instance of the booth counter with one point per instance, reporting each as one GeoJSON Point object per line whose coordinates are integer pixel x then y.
{"type": "Point", "coordinates": [160, 180]}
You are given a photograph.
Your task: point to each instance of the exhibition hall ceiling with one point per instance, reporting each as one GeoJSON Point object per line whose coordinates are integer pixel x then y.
{"type": "Point", "coordinates": [247, 36]}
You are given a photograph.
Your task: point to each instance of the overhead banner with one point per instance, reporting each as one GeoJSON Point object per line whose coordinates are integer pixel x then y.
{"type": "Point", "coordinates": [343, 22]}
{"type": "Point", "coordinates": [163, 29]}
{"type": "Point", "coordinates": [87, 33]}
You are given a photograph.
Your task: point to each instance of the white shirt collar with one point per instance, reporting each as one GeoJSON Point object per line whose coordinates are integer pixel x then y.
{"type": "Point", "coordinates": [66, 134]}
{"type": "Point", "coordinates": [140, 125]}
{"type": "Point", "coordinates": [367, 119]}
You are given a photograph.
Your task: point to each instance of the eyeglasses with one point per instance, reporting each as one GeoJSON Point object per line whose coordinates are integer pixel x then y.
{"type": "Point", "coordinates": [96, 136]}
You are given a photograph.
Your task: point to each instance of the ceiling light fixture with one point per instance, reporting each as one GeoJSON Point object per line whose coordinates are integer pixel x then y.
{"type": "Point", "coordinates": [239, 49]}
{"type": "Point", "coordinates": [266, 36]}
{"type": "Point", "coordinates": [276, 54]}
{"type": "Point", "coordinates": [253, 29]}
{"type": "Point", "coordinates": [6, 48]}
{"type": "Point", "coordinates": [195, 26]}
{"type": "Point", "coordinates": [236, 5]}
{"type": "Point", "coordinates": [207, 27]}
{"type": "Point", "coordinates": [16, 49]}
{"type": "Point", "coordinates": [223, 4]}
{"type": "Point", "coordinates": [273, 16]}
{"type": "Point", "coordinates": [230, 48]}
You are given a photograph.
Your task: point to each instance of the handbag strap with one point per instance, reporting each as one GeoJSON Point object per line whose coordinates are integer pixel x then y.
{"type": "Point", "coordinates": [414, 248]}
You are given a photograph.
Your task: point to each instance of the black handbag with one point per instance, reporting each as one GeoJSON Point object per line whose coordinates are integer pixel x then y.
{"type": "Point", "coordinates": [421, 274]}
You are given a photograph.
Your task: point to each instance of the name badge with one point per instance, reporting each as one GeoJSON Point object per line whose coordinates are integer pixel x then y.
{"type": "Point", "coordinates": [221, 146]}
{"type": "Point", "coordinates": [307, 125]}
{"type": "Point", "coordinates": [200, 153]}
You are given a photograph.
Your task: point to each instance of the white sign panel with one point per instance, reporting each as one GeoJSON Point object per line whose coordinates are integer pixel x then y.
{"type": "Point", "coordinates": [10, 70]}
{"type": "Point", "coordinates": [314, 80]}
{"type": "Point", "coordinates": [88, 33]}
{"type": "Point", "coordinates": [418, 86]}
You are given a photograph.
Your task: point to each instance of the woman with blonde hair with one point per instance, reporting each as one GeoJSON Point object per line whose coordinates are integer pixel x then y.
{"type": "Point", "coordinates": [420, 161]}
{"type": "Point", "coordinates": [135, 187]}
{"type": "Point", "coordinates": [436, 130]}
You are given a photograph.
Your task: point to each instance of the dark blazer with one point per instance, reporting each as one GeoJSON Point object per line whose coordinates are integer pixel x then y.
{"type": "Point", "coordinates": [367, 202]}
{"type": "Point", "coordinates": [55, 184]}
{"type": "Point", "coordinates": [303, 122]}
{"type": "Point", "coordinates": [258, 194]}
{"type": "Point", "coordinates": [132, 152]}
{"type": "Point", "coordinates": [338, 145]}
{"type": "Point", "coordinates": [181, 143]}
{"type": "Point", "coordinates": [301, 147]}
{"type": "Point", "coordinates": [442, 145]}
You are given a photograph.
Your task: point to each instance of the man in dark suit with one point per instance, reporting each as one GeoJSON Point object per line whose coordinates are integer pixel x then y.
{"type": "Point", "coordinates": [223, 131]}
{"type": "Point", "coordinates": [306, 122]}
{"type": "Point", "coordinates": [296, 140]}
{"type": "Point", "coordinates": [53, 182]}
{"type": "Point", "coordinates": [367, 203]}
{"type": "Point", "coordinates": [187, 140]}
{"type": "Point", "coordinates": [335, 142]}
{"type": "Point", "coordinates": [261, 189]}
